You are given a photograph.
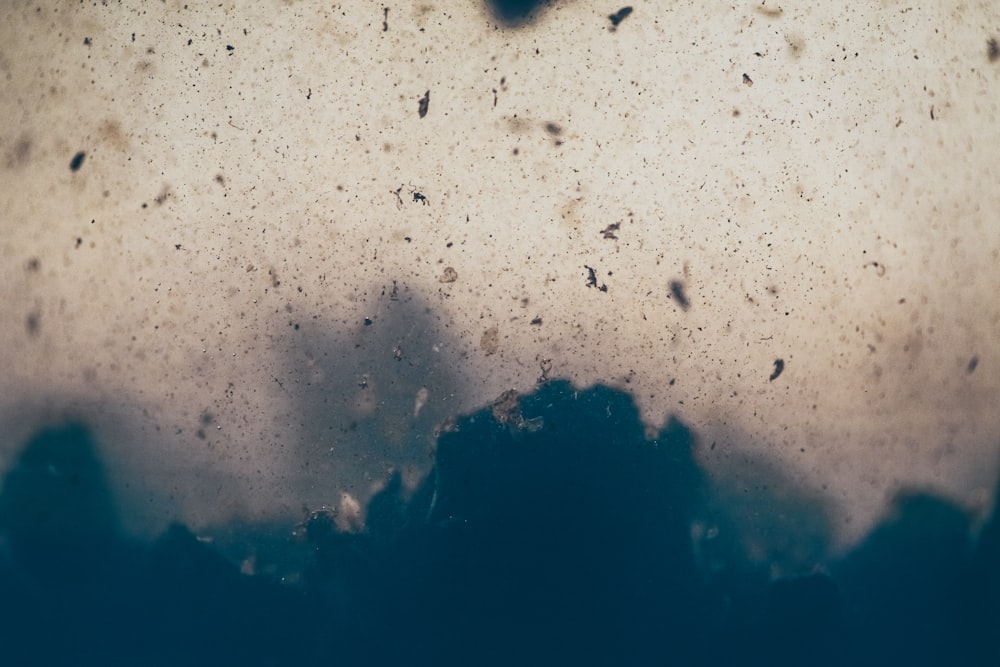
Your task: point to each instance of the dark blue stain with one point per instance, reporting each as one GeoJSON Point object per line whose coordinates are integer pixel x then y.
{"type": "Point", "coordinates": [515, 12]}
{"type": "Point", "coordinates": [551, 532]}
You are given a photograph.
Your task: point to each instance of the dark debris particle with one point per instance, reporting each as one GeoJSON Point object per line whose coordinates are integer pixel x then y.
{"type": "Point", "coordinates": [609, 231]}
{"type": "Point", "coordinates": [779, 365]}
{"type": "Point", "coordinates": [677, 294]}
{"type": "Point", "coordinates": [747, 80]}
{"type": "Point", "coordinates": [592, 279]}
{"type": "Point", "coordinates": [177, 246]}
{"type": "Point", "coordinates": [424, 105]}
{"type": "Point", "coordinates": [86, 41]}
{"type": "Point", "coordinates": [33, 323]}
{"type": "Point", "coordinates": [79, 241]}
{"type": "Point", "coordinates": [368, 321]}
{"type": "Point", "coordinates": [537, 321]}
{"type": "Point", "coordinates": [229, 47]}
{"type": "Point", "coordinates": [34, 264]}
{"type": "Point", "coordinates": [993, 49]}
{"type": "Point", "coordinates": [973, 362]}
{"type": "Point", "coordinates": [619, 16]}
{"type": "Point", "coordinates": [385, 20]}
{"type": "Point", "coordinates": [553, 129]}
{"type": "Point", "coordinates": [77, 161]}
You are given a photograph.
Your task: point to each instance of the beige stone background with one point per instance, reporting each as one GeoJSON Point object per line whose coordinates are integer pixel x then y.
{"type": "Point", "coordinates": [240, 290]}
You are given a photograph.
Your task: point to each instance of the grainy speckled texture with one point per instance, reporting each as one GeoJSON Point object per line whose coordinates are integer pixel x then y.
{"type": "Point", "coordinates": [241, 282]}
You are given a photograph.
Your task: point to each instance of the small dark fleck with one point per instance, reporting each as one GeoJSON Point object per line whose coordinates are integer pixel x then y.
{"type": "Point", "coordinates": [993, 49]}
{"type": "Point", "coordinates": [86, 41]}
{"type": "Point", "coordinates": [747, 80]}
{"type": "Point", "coordinates": [368, 321]}
{"type": "Point", "coordinates": [609, 231]}
{"type": "Point", "coordinates": [932, 112]}
{"type": "Point", "coordinates": [408, 239]}
{"type": "Point", "coordinates": [424, 104]}
{"type": "Point", "coordinates": [220, 179]}
{"type": "Point", "coordinates": [418, 197]}
{"type": "Point", "coordinates": [296, 327]}
{"type": "Point", "coordinates": [34, 264]}
{"type": "Point", "coordinates": [133, 36]}
{"type": "Point", "coordinates": [177, 246]}
{"type": "Point", "coordinates": [190, 41]}
{"type": "Point", "coordinates": [973, 362]}
{"type": "Point", "coordinates": [229, 47]}
{"type": "Point", "coordinates": [677, 292]}
{"type": "Point", "coordinates": [77, 161]}
{"type": "Point", "coordinates": [32, 323]}
{"type": "Point", "coordinates": [553, 129]}
{"type": "Point", "coordinates": [385, 21]}
{"type": "Point", "coordinates": [779, 365]}
{"type": "Point", "coordinates": [592, 279]}
{"type": "Point", "coordinates": [309, 94]}
{"type": "Point", "coordinates": [537, 321]}
{"type": "Point", "coordinates": [145, 205]}
{"type": "Point", "coordinates": [619, 16]}
{"type": "Point", "coordinates": [79, 241]}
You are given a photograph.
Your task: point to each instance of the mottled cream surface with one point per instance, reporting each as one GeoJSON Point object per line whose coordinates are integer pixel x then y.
{"type": "Point", "coordinates": [302, 235]}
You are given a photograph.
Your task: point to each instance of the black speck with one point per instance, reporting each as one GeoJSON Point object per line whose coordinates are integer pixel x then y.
{"type": "Point", "coordinates": [189, 41]}
{"type": "Point", "coordinates": [309, 94]}
{"type": "Point", "coordinates": [296, 327]}
{"type": "Point", "coordinates": [229, 47]}
{"type": "Point", "coordinates": [424, 105]}
{"type": "Point", "coordinates": [992, 49]}
{"type": "Point", "coordinates": [553, 129]}
{"type": "Point", "coordinates": [177, 246]}
{"type": "Point", "coordinates": [779, 365]}
{"type": "Point", "coordinates": [747, 80]}
{"type": "Point", "coordinates": [77, 161]}
{"type": "Point", "coordinates": [33, 323]}
{"type": "Point", "coordinates": [79, 241]}
{"type": "Point", "coordinates": [34, 264]}
{"type": "Point", "coordinates": [418, 197]}
{"type": "Point", "coordinates": [368, 321]}
{"type": "Point", "coordinates": [133, 36]}
{"type": "Point", "coordinates": [385, 20]}
{"type": "Point", "coordinates": [537, 321]}
{"type": "Point", "coordinates": [677, 293]}
{"type": "Point", "coordinates": [86, 41]}
{"type": "Point", "coordinates": [609, 231]}
{"type": "Point", "coordinates": [973, 362]}
{"type": "Point", "coordinates": [619, 16]}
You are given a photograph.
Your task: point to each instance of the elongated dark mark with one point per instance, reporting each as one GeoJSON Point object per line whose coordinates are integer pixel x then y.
{"type": "Point", "coordinates": [425, 103]}
{"type": "Point", "coordinates": [779, 365]}
{"type": "Point", "coordinates": [677, 293]}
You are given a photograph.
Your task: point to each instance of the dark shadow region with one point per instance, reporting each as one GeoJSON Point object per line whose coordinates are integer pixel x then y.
{"type": "Point", "coordinates": [551, 531]}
